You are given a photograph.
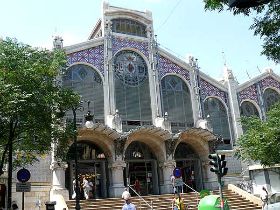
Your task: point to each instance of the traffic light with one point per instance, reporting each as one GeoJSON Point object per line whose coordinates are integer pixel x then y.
{"type": "Point", "coordinates": [218, 164]}
{"type": "Point", "coordinates": [223, 163]}
{"type": "Point", "coordinates": [246, 3]}
{"type": "Point", "coordinates": [214, 162]}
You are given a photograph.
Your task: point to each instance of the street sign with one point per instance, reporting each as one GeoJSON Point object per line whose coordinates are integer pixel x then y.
{"type": "Point", "coordinates": [23, 187]}
{"type": "Point", "coordinates": [23, 175]}
{"type": "Point", "coordinates": [177, 172]}
{"type": "Point", "coordinates": [178, 182]}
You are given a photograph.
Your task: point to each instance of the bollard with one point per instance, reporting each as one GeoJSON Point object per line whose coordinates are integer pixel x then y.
{"type": "Point", "coordinates": [50, 205]}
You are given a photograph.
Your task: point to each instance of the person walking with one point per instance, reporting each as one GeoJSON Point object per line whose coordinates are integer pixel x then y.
{"type": "Point", "coordinates": [86, 188]}
{"type": "Point", "coordinates": [264, 197]}
{"type": "Point", "coordinates": [178, 202]}
{"type": "Point", "coordinates": [137, 186]}
{"type": "Point", "coordinates": [125, 193]}
{"type": "Point", "coordinates": [128, 205]}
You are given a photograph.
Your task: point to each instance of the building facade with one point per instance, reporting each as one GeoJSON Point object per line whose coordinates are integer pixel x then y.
{"type": "Point", "coordinates": [152, 112]}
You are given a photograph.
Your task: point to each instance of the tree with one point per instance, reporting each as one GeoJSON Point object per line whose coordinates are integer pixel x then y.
{"type": "Point", "coordinates": [266, 23]}
{"type": "Point", "coordinates": [261, 140]}
{"type": "Point", "coordinates": [32, 103]}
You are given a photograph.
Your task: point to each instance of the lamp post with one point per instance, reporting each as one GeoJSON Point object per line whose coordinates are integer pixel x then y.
{"type": "Point", "coordinates": [88, 124]}
{"type": "Point", "coordinates": [77, 188]}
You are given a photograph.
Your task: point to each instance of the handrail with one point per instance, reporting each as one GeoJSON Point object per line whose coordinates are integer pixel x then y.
{"type": "Point", "coordinates": [151, 206]}
{"type": "Point", "coordinates": [197, 193]}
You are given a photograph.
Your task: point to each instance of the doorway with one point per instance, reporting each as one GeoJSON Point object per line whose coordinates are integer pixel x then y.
{"type": "Point", "coordinates": [190, 165]}
{"type": "Point", "coordinates": [141, 170]}
{"type": "Point", "coordinates": [92, 164]}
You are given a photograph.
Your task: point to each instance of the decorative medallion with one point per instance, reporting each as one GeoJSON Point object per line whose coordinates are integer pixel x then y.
{"type": "Point", "coordinates": [130, 68]}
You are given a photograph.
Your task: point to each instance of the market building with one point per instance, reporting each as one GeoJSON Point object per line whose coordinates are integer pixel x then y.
{"type": "Point", "coordinates": [152, 112]}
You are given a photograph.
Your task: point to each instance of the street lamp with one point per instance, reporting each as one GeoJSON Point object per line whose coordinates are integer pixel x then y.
{"type": "Point", "coordinates": [77, 188]}
{"type": "Point", "coordinates": [89, 118]}
{"type": "Point", "coordinates": [88, 124]}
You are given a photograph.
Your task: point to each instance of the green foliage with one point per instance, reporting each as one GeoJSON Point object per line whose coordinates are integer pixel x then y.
{"type": "Point", "coordinates": [266, 23]}
{"type": "Point", "coordinates": [261, 141]}
{"type": "Point", "coordinates": [31, 101]}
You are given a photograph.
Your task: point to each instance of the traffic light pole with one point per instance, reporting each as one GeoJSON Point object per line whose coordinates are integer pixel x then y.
{"type": "Point", "coordinates": [221, 192]}
{"type": "Point", "coordinates": [219, 163]}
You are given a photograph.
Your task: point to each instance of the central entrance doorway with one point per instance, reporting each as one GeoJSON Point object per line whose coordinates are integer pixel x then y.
{"type": "Point", "coordinates": [92, 164]}
{"type": "Point", "coordinates": [141, 170]}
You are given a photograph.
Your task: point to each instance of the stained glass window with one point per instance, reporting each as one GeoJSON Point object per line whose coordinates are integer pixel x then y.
{"type": "Point", "coordinates": [177, 102]}
{"type": "Point", "coordinates": [127, 26]}
{"type": "Point", "coordinates": [270, 97]}
{"type": "Point", "coordinates": [86, 81]}
{"type": "Point", "coordinates": [248, 109]}
{"type": "Point", "coordinates": [216, 115]}
{"type": "Point", "coordinates": [132, 90]}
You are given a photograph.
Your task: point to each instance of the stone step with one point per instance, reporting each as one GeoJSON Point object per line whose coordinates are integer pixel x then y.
{"type": "Point", "coordinates": [161, 202]}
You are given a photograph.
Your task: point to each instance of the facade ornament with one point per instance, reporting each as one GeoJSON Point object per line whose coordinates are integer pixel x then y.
{"type": "Point", "coordinates": [170, 146]}
{"type": "Point", "coordinates": [214, 144]}
{"type": "Point", "coordinates": [108, 24]}
{"type": "Point", "coordinates": [58, 165]}
{"type": "Point", "coordinates": [119, 147]}
{"type": "Point", "coordinates": [57, 42]}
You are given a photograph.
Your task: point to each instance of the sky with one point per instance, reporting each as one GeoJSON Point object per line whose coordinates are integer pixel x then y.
{"type": "Point", "coordinates": [182, 27]}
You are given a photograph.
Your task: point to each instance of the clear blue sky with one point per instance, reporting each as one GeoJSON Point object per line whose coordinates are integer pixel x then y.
{"type": "Point", "coordinates": [182, 26]}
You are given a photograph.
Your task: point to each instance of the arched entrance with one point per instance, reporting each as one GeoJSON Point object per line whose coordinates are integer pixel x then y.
{"type": "Point", "coordinates": [189, 162]}
{"type": "Point", "coordinates": [2, 195]}
{"type": "Point", "coordinates": [92, 163]}
{"type": "Point", "coordinates": [141, 165]}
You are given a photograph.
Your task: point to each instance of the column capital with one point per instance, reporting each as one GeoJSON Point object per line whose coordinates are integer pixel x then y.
{"type": "Point", "coordinates": [118, 165]}
{"type": "Point", "coordinates": [58, 165]}
{"type": "Point", "coordinates": [168, 164]}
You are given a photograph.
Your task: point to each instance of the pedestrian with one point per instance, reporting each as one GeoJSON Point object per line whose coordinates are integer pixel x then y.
{"type": "Point", "coordinates": [137, 186]}
{"type": "Point", "coordinates": [125, 193]}
{"type": "Point", "coordinates": [178, 202]}
{"type": "Point", "coordinates": [14, 206]}
{"type": "Point", "coordinates": [172, 179]}
{"type": "Point", "coordinates": [264, 197]}
{"type": "Point", "coordinates": [128, 205]}
{"type": "Point", "coordinates": [74, 189]}
{"type": "Point", "coordinates": [86, 187]}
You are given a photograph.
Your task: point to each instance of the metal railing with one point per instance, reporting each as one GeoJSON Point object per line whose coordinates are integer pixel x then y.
{"type": "Point", "coordinates": [139, 196]}
{"type": "Point", "coordinates": [196, 192]}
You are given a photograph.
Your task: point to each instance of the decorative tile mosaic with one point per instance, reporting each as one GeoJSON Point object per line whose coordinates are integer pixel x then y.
{"type": "Point", "coordinates": [208, 89]}
{"type": "Point", "coordinates": [269, 82]}
{"type": "Point", "coordinates": [249, 93]}
{"type": "Point", "coordinates": [166, 66]}
{"type": "Point", "coordinates": [118, 43]}
{"type": "Point", "coordinates": [93, 56]}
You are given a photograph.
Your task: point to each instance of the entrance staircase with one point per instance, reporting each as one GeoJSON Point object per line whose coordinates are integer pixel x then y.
{"type": "Point", "coordinates": [161, 202]}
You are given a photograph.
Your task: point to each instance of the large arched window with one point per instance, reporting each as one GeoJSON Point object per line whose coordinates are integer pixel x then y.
{"type": "Point", "coordinates": [88, 84]}
{"type": "Point", "coordinates": [216, 115]}
{"type": "Point", "coordinates": [127, 26]}
{"type": "Point", "coordinates": [132, 89]}
{"type": "Point", "coordinates": [248, 109]}
{"type": "Point", "coordinates": [270, 97]}
{"type": "Point", "coordinates": [177, 102]}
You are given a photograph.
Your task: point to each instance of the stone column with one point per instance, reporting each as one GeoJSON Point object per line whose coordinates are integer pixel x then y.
{"type": "Point", "coordinates": [117, 182]}
{"type": "Point", "coordinates": [233, 103]}
{"type": "Point", "coordinates": [109, 83]}
{"type": "Point", "coordinates": [58, 191]}
{"type": "Point", "coordinates": [167, 169]}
